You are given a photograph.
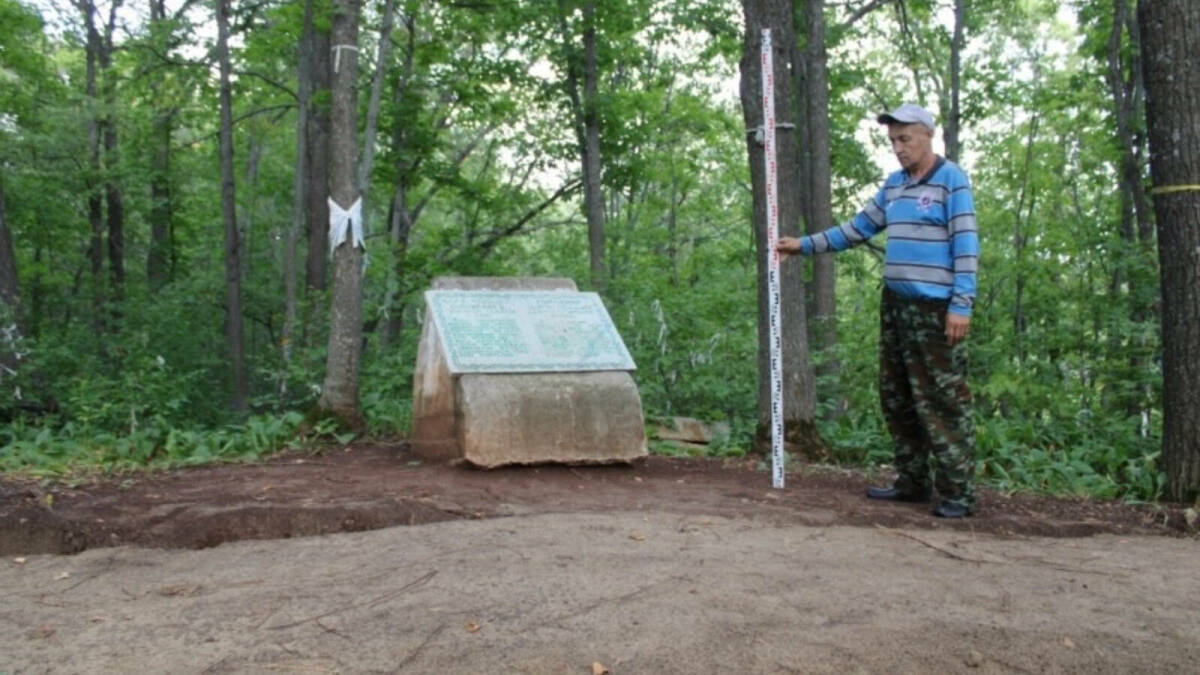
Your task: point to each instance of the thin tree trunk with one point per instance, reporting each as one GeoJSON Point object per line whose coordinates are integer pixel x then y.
{"type": "Point", "coordinates": [233, 269]}
{"type": "Point", "coordinates": [317, 165]}
{"type": "Point", "coordinates": [1171, 63]}
{"type": "Point", "coordinates": [11, 324]}
{"type": "Point", "coordinates": [382, 55]}
{"type": "Point", "coordinates": [400, 218]}
{"type": "Point", "coordinates": [339, 395]}
{"type": "Point", "coordinates": [799, 395]}
{"type": "Point", "coordinates": [114, 212]}
{"type": "Point", "coordinates": [823, 323]}
{"type": "Point", "coordinates": [593, 196]}
{"type": "Point", "coordinates": [95, 205]}
{"type": "Point", "coordinates": [303, 95]}
{"type": "Point", "coordinates": [953, 122]}
{"type": "Point", "coordinates": [114, 201]}
{"type": "Point", "coordinates": [158, 252]}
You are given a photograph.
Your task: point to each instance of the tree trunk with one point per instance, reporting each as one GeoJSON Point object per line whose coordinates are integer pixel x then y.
{"type": "Point", "coordinates": [382, 55]}
{"type": "Point", "coordinates": [823, 321]}
{"type": "Point", "coordinates": [1171, 62]}
{"type": "Point", "coordinates": [115, 211]}
{"type": "Point", "coordinates": [593, 197]}
{"type": "Point", "coordinates": [95, 205]}
{"type": "Point", "coordinates": [158, 252]}
{"type": "Point", "coordinates": [798, 385]}
{"type": "Point", "coordinates": [339, 395]}
{"type": "Point", "coordinates": [113, 200]}
{"type": "Point", "coordinates": [316, 40]}
{"type": "Point", "coordinates": [233, 269]}
{"type": "Point", "coordinates": [953, 120]}
{"type": "Point", "coordinates": [11, 325]}
{"type": "Point", "coordinates": [299, 182]}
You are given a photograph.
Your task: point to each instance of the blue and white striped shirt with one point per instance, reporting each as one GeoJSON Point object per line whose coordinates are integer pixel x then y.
{"type": "Point", "coordinates": [933, 243]}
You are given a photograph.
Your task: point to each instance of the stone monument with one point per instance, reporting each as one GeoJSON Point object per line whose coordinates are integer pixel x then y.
{"type": "Point", "coordinates": [523, 371]}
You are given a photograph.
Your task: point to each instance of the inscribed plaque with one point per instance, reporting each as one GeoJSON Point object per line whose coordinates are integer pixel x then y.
{"type": "Point", "coordinates": [526, 331]}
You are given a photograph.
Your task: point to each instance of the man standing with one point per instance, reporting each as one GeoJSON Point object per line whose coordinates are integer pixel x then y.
{"type": "Point", "coordinates": [929, 288]}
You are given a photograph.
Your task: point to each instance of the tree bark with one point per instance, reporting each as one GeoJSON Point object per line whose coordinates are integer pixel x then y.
{"type": "Point", "coordinates": [953, 122]}
{"type": "Point", "coordinates": [339, 395]}
{"type": "Point", "coordinates": [382, 56]}
{"type": "Point", "coordinates": [823, 294]}
{"type": "Point", "coordinates": [316, 40]}
{"type": "Point", "coordinates": [159, 250]}
{"type": "Point", "coordinates": [158, 256]}
{"type": "Point", "coordinates": [113, 200]}
{"type": "Point", "coordinates": [593, 195]}
{"type": "Point", "coordinates": [95, 204]}
{"type": "Point", "coordinates": [300, 178]}
{"type": "Point", "coordinates": [799, 395]}
{"type": "Point", "coordinates": [11, 325]}
{"type": "Point", "coordinates": [1170, 31]}
{"type": "Point", "coordinates": [587, 130]}
{"type": "Point", "coordinates": [233, 268]}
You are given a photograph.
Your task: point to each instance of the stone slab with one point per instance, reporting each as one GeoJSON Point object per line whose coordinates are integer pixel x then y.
{"type": "Point", "coordinates": [496, 419]}
{"type": "Point", "coordinates": [533, 418]}
{"type": "Point", "coordinates": [434, 435]}
{"type": "Point", "coordinates": [526, 331]}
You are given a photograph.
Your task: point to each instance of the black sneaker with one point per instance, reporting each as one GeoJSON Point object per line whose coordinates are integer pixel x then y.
{"type": "Point", "coordinates": [894, 494]}
{"type": "Point", "coordinates": [952, 508]}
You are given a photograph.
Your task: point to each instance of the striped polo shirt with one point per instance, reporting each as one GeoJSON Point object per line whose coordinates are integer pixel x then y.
{"type": "Point", "coordinates": [932, 245]}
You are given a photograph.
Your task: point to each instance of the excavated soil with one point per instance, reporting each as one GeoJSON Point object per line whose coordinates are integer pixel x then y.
{"type": "Point", "coordinates": [371, 487]}
{"type": "Point", "coordinates": [667, 566]}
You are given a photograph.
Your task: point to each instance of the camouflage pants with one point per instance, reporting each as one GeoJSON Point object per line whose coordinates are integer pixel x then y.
{"type": "Point", "coordinates": [925, 398]}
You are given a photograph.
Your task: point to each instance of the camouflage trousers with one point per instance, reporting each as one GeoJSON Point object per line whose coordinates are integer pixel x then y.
{"type": "Point", "coordinates": [925, 398]}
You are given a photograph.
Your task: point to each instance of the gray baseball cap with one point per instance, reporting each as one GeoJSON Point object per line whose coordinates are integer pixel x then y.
{"type": "Point", "coordinates": [908, 113]}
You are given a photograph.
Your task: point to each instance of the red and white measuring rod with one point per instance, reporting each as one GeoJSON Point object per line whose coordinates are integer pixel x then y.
{"type": "Point", "coordinates": [776, 343]}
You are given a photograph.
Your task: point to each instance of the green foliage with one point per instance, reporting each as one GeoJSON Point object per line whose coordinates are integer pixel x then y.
{"type": "Point", "coordinates": [72, 449]}
{"type": "Point", "coordinates": [478, 143]}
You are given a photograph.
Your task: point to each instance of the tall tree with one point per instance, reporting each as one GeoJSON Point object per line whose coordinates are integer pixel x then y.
{"type": "Point", "coordinates": [587, 127]}
{"type": "Point", "coordinates": [233, 268]}
{"type": "Point", "coordinates": [315, 39]}
{"type": "Point", "coordinates": [799, 392]}
{"type": "Point", "coordinates": [299, 190]}
{"type": "Point", "coordinates": [950, 127]}
{"type": "Point", "coordinates": [95, 205]}
{"type": "Point", "coordinates": [160, 252]}
{"type": "Point", "coordinates": [11, 328]}
{"type": "Point", "coordinates": [817, 175]}
{"type": "Point", "coordinates": [114, 200]}
{"type": "Point", "coordinates": [339, 395]}
{"type": "Point", "coordinates": [1171, 62]}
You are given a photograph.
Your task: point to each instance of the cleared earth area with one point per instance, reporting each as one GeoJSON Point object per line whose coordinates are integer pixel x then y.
{"type": "Point", "coordinates": [662, 567]}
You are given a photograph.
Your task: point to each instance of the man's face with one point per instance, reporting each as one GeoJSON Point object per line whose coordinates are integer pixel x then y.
{"type": "Point", "coordinates": [912, 143]}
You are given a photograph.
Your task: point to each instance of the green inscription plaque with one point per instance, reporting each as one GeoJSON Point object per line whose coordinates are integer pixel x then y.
{"type": "Point", "coordinates": [526, 332]}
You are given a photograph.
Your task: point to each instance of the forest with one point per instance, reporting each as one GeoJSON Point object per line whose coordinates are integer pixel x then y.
{"type": "Point", "coordinates": [167, 169]}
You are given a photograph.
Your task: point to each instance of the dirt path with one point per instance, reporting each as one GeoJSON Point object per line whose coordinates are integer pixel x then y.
{"type": "Point", "coordinates": [639, 593]}
{"type": "Point", "coordinates": [667, 567]}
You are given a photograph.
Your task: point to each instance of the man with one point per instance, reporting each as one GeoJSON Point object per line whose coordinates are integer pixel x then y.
{"type": "Point", "coordinates": [929, 288]}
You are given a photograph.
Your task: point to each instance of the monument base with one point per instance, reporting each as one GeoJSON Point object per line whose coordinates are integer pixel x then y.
{"type": "Point", "coordinates": [572, 418]}
{"type": "Point", "coordinates": [494, 419]}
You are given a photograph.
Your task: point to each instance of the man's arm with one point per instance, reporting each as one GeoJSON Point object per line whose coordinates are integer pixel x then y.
{"type": "Point", "coordinates": [869, 222]}
{"type": "Point", "coordinates": [964, 250]}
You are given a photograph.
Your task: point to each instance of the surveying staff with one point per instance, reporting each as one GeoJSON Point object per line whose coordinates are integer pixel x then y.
{"type": "Point", "coordinates": [928, 291]}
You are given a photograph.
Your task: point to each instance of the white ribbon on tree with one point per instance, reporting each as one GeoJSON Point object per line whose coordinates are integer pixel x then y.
{"type": "Point", "coordinates": [344, 223]}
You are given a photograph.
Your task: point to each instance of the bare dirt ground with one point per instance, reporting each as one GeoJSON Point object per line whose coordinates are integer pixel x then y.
{"type": "Point", "coordinates": [665, 566]}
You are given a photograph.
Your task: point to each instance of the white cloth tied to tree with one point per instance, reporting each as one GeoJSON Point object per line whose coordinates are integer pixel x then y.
{"type": "Point", "coordinates": [345, 223]}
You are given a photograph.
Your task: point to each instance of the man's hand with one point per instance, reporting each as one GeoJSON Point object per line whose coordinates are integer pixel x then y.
{"type": "Point", "coordinates": [788, 246]}
{"type": "Point", "coordinates": [956, 327]}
